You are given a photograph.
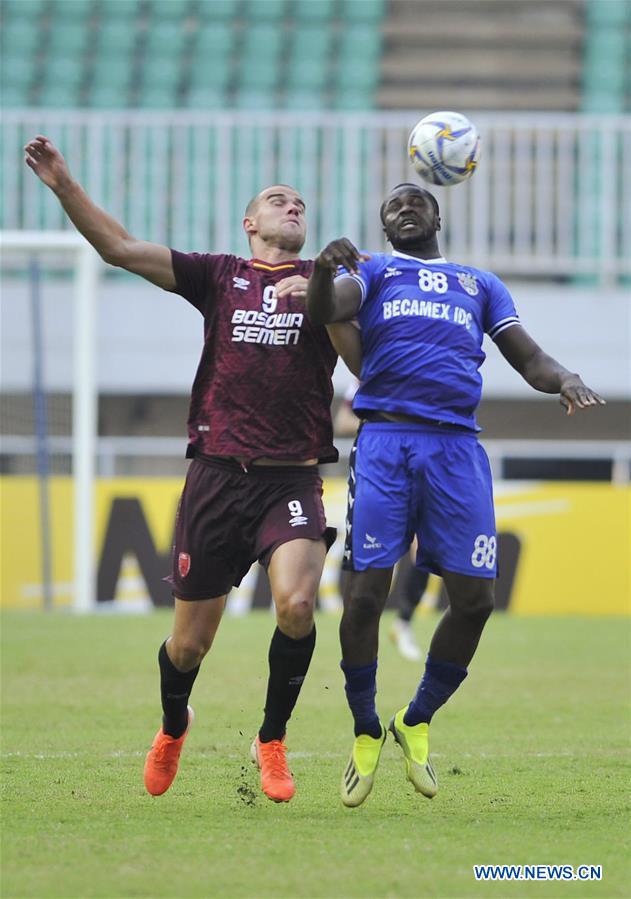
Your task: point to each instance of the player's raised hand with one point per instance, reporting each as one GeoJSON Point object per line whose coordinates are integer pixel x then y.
{"type": "Point", "coordinates": [341, 252]}
{"type": "Point", "coordinates": [576, 395]}
{"type": "Point", "coordinates": [49, 165]}
{"type": "Point", "coordinates": [294, 285]}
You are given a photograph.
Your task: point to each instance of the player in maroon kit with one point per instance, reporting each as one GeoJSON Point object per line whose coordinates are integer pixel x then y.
{"type": "Point", "coordinates": [259, 423]}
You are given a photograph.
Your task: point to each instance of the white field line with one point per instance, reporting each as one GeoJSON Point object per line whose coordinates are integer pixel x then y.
{"type": "Point", "coordinates": [292, 755]}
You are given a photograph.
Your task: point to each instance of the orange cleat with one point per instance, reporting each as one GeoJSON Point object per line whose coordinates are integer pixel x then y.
{"type": "Point", "coordinates": [276, 780]}
{"type": "Point", "coordinates": [163, 759]}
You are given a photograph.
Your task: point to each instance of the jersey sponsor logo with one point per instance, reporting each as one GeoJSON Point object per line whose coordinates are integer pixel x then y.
{"type": "Point", "coordinates": [427, 309]}
{"type": "Point", "coordinates": [241, 283]}
{"type": "Point", "coordinates": [469, 283]}
{"type": "Point", "coordinates": [275, 328]}
{"type": "Point", "coordinates": [183, 564]}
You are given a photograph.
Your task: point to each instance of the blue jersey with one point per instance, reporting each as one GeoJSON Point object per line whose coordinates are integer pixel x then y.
{"type": "Point", "coordinates": [422, 324]}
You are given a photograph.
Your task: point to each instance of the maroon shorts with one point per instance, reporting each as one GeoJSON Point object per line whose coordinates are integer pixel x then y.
{"type": "Point", "coordinates": [228, 518]}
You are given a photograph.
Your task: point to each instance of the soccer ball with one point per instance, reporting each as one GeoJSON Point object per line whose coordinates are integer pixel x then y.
{"type": "Point", "coordinates": [444, 148]}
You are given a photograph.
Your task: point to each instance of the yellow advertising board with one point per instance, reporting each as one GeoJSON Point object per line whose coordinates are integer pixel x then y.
{"type": "Point", "coordinates": [565, 548]}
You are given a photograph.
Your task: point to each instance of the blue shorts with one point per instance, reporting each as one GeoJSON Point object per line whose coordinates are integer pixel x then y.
{"type": "Point", "coordinates": [423, 480]}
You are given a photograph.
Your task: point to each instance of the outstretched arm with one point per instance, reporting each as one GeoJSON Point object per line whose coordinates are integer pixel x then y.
{"type": "Point", "coordinates": [329, 302]}
{"type": "Point", "coordinates": [543, 372]}
{"type": "Point", "coordinates": [108, 237]}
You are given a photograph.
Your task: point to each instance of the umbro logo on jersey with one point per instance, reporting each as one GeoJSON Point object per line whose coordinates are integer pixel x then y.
{"type": "Point", "coordinates": [391, 272]}
{"type": "Point", "coordinates": [241, 283]}
{"type": "Point", "coordinates": [298, 520]}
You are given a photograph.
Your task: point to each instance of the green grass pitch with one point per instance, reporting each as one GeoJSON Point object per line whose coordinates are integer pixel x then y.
{"type": "Point", "coordinates": [531, 756]}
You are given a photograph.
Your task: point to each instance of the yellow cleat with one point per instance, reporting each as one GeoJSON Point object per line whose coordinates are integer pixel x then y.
{"type": "Point", "coordinates": [359, 774]}
{"type": "Point", "coordinates": [414, 741]}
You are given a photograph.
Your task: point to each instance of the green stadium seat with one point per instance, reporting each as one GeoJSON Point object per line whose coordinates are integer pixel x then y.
{"type": "Point", "coordinates": [16, 70]}
{"type": "Point", "coordinates": [304, 100]}
{"type": "Point", "coordinates": [311, 43]}
{"type": "Point", "coordinates": [368, 11]}
{"type": "Point", "coordinates": [157, 97]}
{"type": "Point", "coordinates": [218, 10]}
{"type": "Point", "coordinates": [608, 76]}
{"type": "Point", "coordinates": [265, 11]}
{"type": "Point", "coordinates": [608, 13]}
{"type": "Point", "coordinates": [160, 73]}
{"type": "Point", "coordinates": [108, 96]}
{"type": "Point", "coordinates": [73, 10]}
{"type": "Point", "coordinates": [606, 42]}
{"type": "Point", "coordinates": [313, 10]}
{"type": "Point", "coordinates": [310, 74]}
{"type": "Point", "coordinates": [212, 72]}
{"type": "Point", "coordinates": [31, 10]}
{"type": "Point", "coordinates": [261, 41]}
{"type": "Point", "coordinates": [358, 73]}
{"type": "Point", "coordinates": [169, 10]}
{"type": "Point", "coordinates": [255, 100]}
{"type": "Point", "coordinates": [69, 39]}
{"type": "Point", "coordinates": [254, 73]}
{"type": "Point", "coordinates": [115, 39]}
{"type": "Point", "coordinates": [110, 73]}
{"type": "Point", "coordinates": [63, 72]}
{"type": "Point", "coordinates": [57, 96]}
{"type": "Point", "coordinates": [205, 98]}
{"type": "Point", "coordinates": [166, 39]}
{"type": "Point", "coordinates": [20, 36]}
{"type": "Point", "coordinates": [601, 102]}
{"type": "Point", "coordinates": [14, 95]}
{"type": "Point", "coordinates": [120, 10]}
{"type": "Point", "coordinates": [218, 38]}
{"type": "Point", "coordinates": [360, 42]}
{"type": "Point", "coordinates": [352, 98]}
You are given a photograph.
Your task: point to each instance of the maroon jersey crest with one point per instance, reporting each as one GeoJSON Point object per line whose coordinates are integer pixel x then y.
{"type": "Point", "coordinates": [183, 564]}
{"type": "Point", "coordinates": [263, 386]}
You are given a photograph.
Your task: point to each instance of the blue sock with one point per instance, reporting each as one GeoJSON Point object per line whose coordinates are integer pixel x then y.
{"type": "Point", "coordinates": [361, 689]}
{"type": "Point", "coordinates": [440, 680]}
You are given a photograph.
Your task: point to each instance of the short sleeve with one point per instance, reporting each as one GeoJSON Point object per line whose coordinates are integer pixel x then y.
{"type": "Point", "coordinates": [196, 275]}
{"type": "Point", "coordinates": [363, 277]}
{"type": "Point", "coordinates": [500, 312]}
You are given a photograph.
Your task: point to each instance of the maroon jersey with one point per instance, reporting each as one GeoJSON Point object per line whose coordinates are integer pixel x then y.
{"type": "Point", "coordinates": [263, 386]}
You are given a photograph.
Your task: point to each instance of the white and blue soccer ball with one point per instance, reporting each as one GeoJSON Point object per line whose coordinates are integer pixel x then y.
{"type": "Point", "coordinates": [444, 148]}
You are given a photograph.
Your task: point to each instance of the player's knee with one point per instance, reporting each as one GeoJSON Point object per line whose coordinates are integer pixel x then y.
{"type": "Point", "coordinates": [294, 614]}
{"type": "Point", "coordinates": [364, 607]}
{"type": "Point", "coordinates": [187, 652]}
{"type": "Point", "coordinates": [477, 603]}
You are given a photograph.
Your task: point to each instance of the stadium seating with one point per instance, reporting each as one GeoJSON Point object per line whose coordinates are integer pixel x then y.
{"type": "Point", "coordinates": [607, 57]}
{"type": "Point", "coordinates": [297, 54]}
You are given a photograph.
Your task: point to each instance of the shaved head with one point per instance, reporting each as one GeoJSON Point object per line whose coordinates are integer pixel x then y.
{"type": "Point", "coordinates": [252, 206]}
{"type": "Point", "coordinates": [276, 217]}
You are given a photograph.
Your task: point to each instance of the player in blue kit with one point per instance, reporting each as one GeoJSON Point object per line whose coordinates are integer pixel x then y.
{"type": "Point", "coordinates": [417, 467]}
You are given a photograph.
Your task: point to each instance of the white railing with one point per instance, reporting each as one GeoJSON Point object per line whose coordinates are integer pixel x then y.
{"type": "Point", "coordinates": [112, 451]}
{"type": "Point", "coordinates": [551, 198]}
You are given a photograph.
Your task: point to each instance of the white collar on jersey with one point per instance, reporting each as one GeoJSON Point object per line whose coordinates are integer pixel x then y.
{"type": "Point", "coordinates": [416, 258]}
